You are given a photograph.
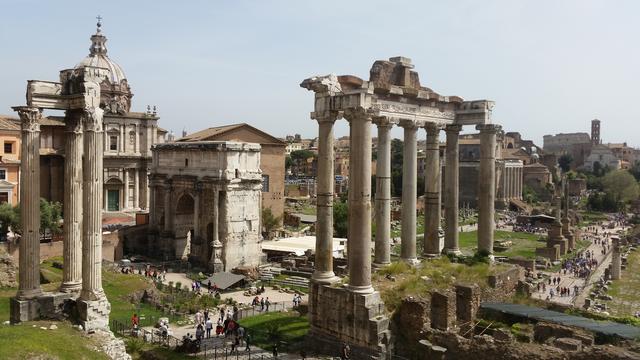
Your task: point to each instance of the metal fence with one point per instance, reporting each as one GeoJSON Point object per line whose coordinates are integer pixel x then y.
{"type": "Point", "coordinates": [150, 336]}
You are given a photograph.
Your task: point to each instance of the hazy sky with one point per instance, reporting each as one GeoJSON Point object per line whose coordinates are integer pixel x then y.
{"type": "Point", "coordinates": [551, 66]}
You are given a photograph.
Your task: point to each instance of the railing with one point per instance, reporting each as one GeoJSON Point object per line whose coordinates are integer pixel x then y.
{"type": "Point", "coordinates": [146, 335]}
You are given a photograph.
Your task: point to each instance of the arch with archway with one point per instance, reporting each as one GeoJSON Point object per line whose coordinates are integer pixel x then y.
{"type": "Point", "coordinates": [184, 225]}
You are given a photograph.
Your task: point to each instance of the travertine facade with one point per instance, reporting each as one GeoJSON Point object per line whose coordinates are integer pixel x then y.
{"type": "Point", "coordinates": [393, 94]}
{"type": "Point", "coordinates": [205, 198]}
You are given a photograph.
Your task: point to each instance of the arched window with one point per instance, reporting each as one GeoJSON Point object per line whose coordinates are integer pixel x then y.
{"type": "Point", "coordinates": [185, 205]}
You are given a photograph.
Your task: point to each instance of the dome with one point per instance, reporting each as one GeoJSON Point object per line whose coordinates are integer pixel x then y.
{"type": "Point", "coordinates": [98, 57]}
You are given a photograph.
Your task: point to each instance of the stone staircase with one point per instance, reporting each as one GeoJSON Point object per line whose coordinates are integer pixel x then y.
{"type": "Point", "coordinates": [270, 274]}
{"type": "Point", "coordinates": [94, 314]}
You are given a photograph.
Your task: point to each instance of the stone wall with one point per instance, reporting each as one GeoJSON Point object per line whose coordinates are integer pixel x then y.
{"type": "Point", "coordinates": [506, 280]}
{"type": "Point", "coordinates": [443, 310]}
{"type": "Point", "coordinates": [337, 314]}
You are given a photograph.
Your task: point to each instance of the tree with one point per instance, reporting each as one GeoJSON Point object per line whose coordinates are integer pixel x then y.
{"type": "Point", "coordinates": [564, 161]}
{"type": "Point", "coordinates": [9, 218]}
{"type": "Point", "coordinates": [269, 221]}
{"type": "Point", "coordinates": [50, 216]}
{"type": "Point", "coordinates": [299, 155]}
{"type": "Point", "coordinates": [288, 161]}
{"type": "Point", "coordinates": [621, 185]}
{"type": "Point", "coordinates": [340, 219]}
{"type": "Point", "coordinates": [635, 170]}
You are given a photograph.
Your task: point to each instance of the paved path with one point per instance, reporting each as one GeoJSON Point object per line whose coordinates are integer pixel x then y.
{"type": "Point", "coordinates": [571, 281]}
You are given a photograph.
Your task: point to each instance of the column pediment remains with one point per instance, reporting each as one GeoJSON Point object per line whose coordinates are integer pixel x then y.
{"type": "Point", "coordinates": [394, 91]}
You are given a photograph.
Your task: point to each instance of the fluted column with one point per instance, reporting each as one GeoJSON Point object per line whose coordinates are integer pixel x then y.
{"type": "Point", "coordinates": [487, 187]}
{"type": "Point", "coordinates": [451, 190]}
{"type": "Point", "coordinates": [382, 251]}
{"type": "Point", "coordinates": [616, 259]}
{"type": "Point", "coordinates": [359, 242]}
{"type": "Point", "coordinates": [432, 192]}
{"type": "Point", "coordinates": [168, 218]}
{"type": "Point", "coordinates": [136, 189]}
{"type": "Point", "coordinates": [323, 272]}
{"type": "Point", "coordinates": [409, 191]}
{"type": "Point", "coordinates": [29, 263]}
{"type": "Point", "coordinates": [72, 254]}
{"type": "Point", "coordinates": [125, 177]}
{"type": "Point", "coordinates": [92, 206]}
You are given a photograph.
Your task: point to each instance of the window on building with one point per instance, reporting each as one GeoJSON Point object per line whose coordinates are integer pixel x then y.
{"type": "Point", "coordinates": [265, 183]}
{"type": "Point", "coordinates": [186, 162]}
{"type": "Point", "coordinates": [113, 143]}
{"type": "Point", "coordinates": [3, 174]}
{"type": "Point", "coordinates": [8, 147]}
{"type": "Point", "coordinates": [4, 197]}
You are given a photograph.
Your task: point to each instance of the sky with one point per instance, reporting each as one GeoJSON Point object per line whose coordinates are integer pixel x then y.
{"type": "Point", "coordinates": [550, 66]}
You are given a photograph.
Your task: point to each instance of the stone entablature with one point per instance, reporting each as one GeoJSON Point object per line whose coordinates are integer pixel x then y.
{"type": "Point", "coordinates": [205, 198]}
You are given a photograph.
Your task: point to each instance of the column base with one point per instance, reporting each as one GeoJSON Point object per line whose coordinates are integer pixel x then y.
{"type": "Point", "coordinates": [324, 277]}
{"type": "Point", "coordinates": [23, 310]}
{"type": "Point", "coordinates": [380, 265]}
{"type": "Point", "coordinates": [360, 289]}
{"type": "Point", "coordinates": [431, 255]}
{"type": "Point", "coordinates": [456, 252]}
{"type": "Point", "coordinates": [411, 261]}
{"type": "Point", "coordinates": [72, 287]}
{"type": "Point", "coordinates": [29, 294]}
{"type": "Point", "coordinates": [94, 314]}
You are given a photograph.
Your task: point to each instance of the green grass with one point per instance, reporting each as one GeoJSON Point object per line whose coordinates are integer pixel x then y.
{"type": "Point", "coordinates": [524, 244]}
{"type": "Point", "coordinates": [287, 329]}
{"type": "Point", "coordinates": [626, 291]}
{"type": "Point", "coordinates": [27, 342]}
{"type": "Point", "coordinates": [592, 217]}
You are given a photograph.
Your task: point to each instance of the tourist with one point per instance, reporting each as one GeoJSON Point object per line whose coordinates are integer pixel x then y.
{"type": "Point", "coordinates": [275, 351]}
{"type": "Point", "coordinates": [346, 352]}
{"type": "Point", "coordinates": [208, 326]}
{"type": "Point", "coordinates": [199, 332]}
{"type": "Point", "coordinates": [261, 304]}
{"type": "Point", "coordinates": [206, 314]}
{"type": "Point", "coordinates": [247, 341]}
{"type": "Point", "coordinates": [199, 318]}
{"type": "Point", "coordinates": [219, 328]}
{"type": "Point", "coordinates": [135, 321]}
{"type": "Point", "coordinates": [267, 303]}
{"type": "Point", "coordinates": [241, 334]}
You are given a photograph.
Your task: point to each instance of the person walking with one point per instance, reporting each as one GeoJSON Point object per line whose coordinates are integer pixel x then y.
{"type": "Point", "coordinates": [267, 303]}
{"type": "Point", "coordinates": [208, 327]}
{"type": "Point", "coordinates": [247, 341]}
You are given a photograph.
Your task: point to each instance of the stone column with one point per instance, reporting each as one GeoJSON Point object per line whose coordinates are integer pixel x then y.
{"type": "Point", "coordinates": [92, 206]}
{"type": "Point", "coordinates": [215, 262]}
{"type": "Point", "coordinates": [432, 192]}
{"type": "Point", "coordinates": [616, 259]}
{"type": "Point", "coordinates": [451, 190]}
{"type": "Point", "coordinates": [153, 217]}
{"type": "Point", "coordinates": [323, 272]}
{"type": "Point", "coordinates": [136, 189]}
{"type": "Point", "coordinates": [195, 237]}
{"type": "Point", "coordinates": [125, 188]}
{"type": "Point", "coordinates": [123, 142]}
{"type": "Point", "coordinates": [29, 262]}
{"type": "Point", "coordinates": [168, 221]}
{"type": "Point", "coordinates": [359, 242]}
{"type": "Point", "coordinates": [382, 252]}
{"type": "Point", "coordinates": [72, 254]}
{"type": "Point", "coordinates": [409, 191]}
{"type": "Point", "coordinates": [487, 187]}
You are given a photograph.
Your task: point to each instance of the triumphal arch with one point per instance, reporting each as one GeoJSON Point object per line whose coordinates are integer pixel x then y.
{"type": "Point", "coordinates": [392, 96]}
{"type": "Point", "coordinates": [78, 94]}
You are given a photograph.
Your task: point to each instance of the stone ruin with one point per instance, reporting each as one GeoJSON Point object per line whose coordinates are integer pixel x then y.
{"type": "Point", "coordinates": [392, 96]}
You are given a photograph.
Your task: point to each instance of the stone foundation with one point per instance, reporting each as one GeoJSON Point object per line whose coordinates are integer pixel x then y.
{"type": "Point", "coordinates": [552, 253]}
{"type": "Point", "coordinates": [94, 315]}
{"type": "Point", "coordinates": [443, 310]}
{"type": "Point", "coordinates": [339, 316]}
{"type": "Point", "coordinates": [24, 310]}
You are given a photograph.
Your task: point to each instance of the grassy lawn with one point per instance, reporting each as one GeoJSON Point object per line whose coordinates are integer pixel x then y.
{"type": "Point", "coordinates": [287, 329]}
{"type": "Point", "coordinates": [626, 291]}
{"type": "Point", "coordinates": [27, 342]}
{"type": "Point", "coordinates": [524, 244]}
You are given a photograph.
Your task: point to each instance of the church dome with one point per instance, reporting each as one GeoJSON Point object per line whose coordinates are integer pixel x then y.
{"type": "Point", "coordinates": [98, 57]}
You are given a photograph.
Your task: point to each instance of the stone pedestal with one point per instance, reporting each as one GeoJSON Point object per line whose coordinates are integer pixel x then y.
{"type": "Point", "coordinates": [23, 310]}
{"type": "Point", "coordinates": [551, 252]}
{"type": "Point", "coordinates": [555, 238]}
{"type": "Point", "coordinates": [338, 315]}
{"type": "Point", "coordinates": [616, 260]}
{"type": "Point", "coordinates": [568, 234]}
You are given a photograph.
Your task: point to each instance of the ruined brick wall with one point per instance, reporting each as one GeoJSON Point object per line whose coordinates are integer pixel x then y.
{"type": "Point", "coordinates": [443, 310]}
{"type": "Point", "coordinates": [506, 280]}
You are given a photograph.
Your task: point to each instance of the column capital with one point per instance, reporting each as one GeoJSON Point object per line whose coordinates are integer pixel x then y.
{"type": "Point", "coordinates": [432, 127]}
{"type": "Point", "coordinates": [357, 113]}
{"type": "Point", "coordinates": [326, 116]}
{"type": "Point", "coordinates": [489, 128]}
{"type": "Point", "coordinates": [92, 118]}
{"type": "Point", "coordinates": [410, 124]}
{"type": "Point", "coordinates": [384, 121]}
{"type": "Point", "coordinates": [73, 123]}
{"type": "Point", "coordinates": [453, 128]}
{"type": "Point", "coordinates": [30, 117]}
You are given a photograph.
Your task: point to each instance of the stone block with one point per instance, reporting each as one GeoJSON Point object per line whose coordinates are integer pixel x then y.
{"type": "Point", "coordinates": [550, 252]}
{"type": "Point", "coordinates": [568, 344]}
{"type": "Point", "coordinates": [23, 310]}
{"type": "Point", "coordinates": [467, 302]}
{"type": "Point", "coordinates": [94, 315]}
{"type": "Point", "coordinates": [443, 310]}
{"type": "Point", "coordinates": [54, 305]}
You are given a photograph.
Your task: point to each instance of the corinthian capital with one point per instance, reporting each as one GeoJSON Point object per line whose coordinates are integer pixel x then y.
{"type": "Point", "coordinates": [327, 115]}
{"type": "Point", "coordinates": [30, 117]}
{"type": "Point", "coordinates": [356, 113]}
{"type": "Point", "coordinates": [92, 117]}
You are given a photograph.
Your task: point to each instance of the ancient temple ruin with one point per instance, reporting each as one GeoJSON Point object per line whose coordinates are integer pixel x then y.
{"type": "Point", "coordinates": [392, 96]}
{"type": "Point", "coordinates": [205, 203]}
{"type": "Point", "coordinates": [78, 93]}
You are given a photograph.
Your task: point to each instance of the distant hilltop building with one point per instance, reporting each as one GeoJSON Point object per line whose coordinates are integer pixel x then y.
{"type": "Point", "coordinates": [595, 132]}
